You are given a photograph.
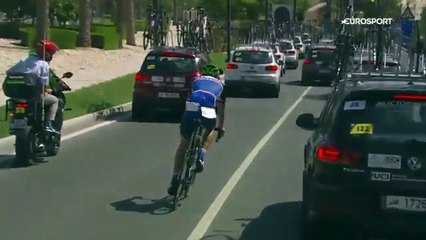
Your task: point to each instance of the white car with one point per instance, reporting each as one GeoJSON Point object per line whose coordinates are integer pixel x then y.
{"type": "Point", "coordinates": [253, 69]}
{"type": "Point", "coordinates": [291, 54]}
{"type": "Point", "coordinates": [279, 56]}
{"type": "Point", "coordinates": [300, 45]}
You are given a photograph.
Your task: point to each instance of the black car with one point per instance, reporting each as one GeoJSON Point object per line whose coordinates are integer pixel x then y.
{"type": "Point", "coordinates": [365, 164]}
{"type": "Point", "coordinates": [319, 65]}
{"type": "Point", "coordinates": [164, 80]}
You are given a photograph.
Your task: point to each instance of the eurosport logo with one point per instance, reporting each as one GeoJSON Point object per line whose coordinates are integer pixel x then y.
{"type": "Point", "coordinates": [367, 21]}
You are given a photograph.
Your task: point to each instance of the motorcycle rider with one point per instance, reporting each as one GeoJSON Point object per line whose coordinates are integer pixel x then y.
{"type": "Point", "coordinates": [37, 63]}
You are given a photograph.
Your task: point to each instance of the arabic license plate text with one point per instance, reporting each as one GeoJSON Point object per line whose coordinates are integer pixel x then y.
{"type": "Point", "coordinates": [384, 161]}
{"type": "Point", "coordinates": [18, 123]}
{"type": "Point", "coordinates": [168, 95]}
{"type": "Point", "coordinates": [413, 204]}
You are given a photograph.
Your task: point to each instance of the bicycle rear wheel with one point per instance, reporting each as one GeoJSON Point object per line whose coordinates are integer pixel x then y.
{"type": "Point", "coordinates": [194, 151]}
{"type": "Point", "coordinates": [146, 38]}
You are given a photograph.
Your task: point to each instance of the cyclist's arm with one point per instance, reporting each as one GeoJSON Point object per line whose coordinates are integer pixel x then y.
{"type": "Point", "coordinates": [221, 108]}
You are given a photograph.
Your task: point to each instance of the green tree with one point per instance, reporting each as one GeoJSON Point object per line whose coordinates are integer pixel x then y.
{"type": "Point", "coordinates": [42, 24]}
{"type": "Point", "coordinates": [130, 22]}
{"type": "Point", "coordinates": [85, 15]}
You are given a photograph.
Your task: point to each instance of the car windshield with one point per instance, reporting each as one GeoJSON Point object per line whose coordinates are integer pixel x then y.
{"type": "Point", "coordinates": [154, 64]}
{"type": "Point", "coordinates": [322, 54]}
{"type": "Point", "coordinates": [253, 57]}
{"type": "Point", "coordinates": [381, 117]}
{"type": "Point", "coordinates": [286, 45]}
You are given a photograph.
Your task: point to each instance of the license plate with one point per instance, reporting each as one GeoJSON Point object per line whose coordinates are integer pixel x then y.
{"type": "Point", "coordinates": [413, 204]}
{"type": "Point", "coordinates": [179, 79]}
{"type": "Point", "coordinates": [384, 161]}
{"type": "Point", "coordinates": [168, 95]}
{"type": "Point", "coordinates": [18, 123]}
{"type": "Point", "coordinates": [157, 79]}
{"type": "Point", "coordinates": [249, 78]}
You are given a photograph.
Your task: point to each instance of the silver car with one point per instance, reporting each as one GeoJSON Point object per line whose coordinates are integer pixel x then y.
{"type": "Point", "coordinates": [253, 69]}
{"type": "Point", "coordinates": [291, 54]}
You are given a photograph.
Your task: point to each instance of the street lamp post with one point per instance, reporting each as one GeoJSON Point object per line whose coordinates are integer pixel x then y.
{"type": "Point", "coordinates": [266, 15]}
{"type": "Point", "coordinates": [228, 31]}
{"type": "Point", "coordinates": [294, 10]}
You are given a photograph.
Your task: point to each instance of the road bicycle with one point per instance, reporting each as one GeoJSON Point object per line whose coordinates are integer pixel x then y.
{"type": "Point", "coordinates": [187, 177]}
{"type": "Point", "coordinates": [155, 33]}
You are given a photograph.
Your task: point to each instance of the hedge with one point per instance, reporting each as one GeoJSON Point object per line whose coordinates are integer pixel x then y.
{"type": "Point", "coordinates": [98, 40]}
{"type": "Point", "coordinates": [111, 38]}
{"type": "Point", "coordinates": [64, 38]}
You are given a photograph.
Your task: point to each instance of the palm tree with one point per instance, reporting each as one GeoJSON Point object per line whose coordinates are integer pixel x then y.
{"type": "Point", "coordinates": [42, 24]}
{"type": "Point", "coordinates": [130, 22]}
{"type": "Point", "coordinates": [120, 20]}
{"type": "Point", "coordinates": [85, 16]}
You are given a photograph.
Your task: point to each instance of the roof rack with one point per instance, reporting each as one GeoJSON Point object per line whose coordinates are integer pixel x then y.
{"type": "Point", "coordinates": [381, 76]}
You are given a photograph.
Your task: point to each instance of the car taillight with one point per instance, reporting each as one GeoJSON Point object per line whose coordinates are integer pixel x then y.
{"type": "Point", "coordinates": [410, 97]}
{"type": "Point", "coordinates": [307, 61]}
{"type": "Point", "coordinates": [333, 154]}
{"type": "Point", "coordinates": [170, 54]}
{"type": "Point", "coordinates": [21, 105]}
{"type": "Point", "coordinates": [327, 153]}
{"type": "Point", "coordinates": [277, 56]}
{"type": "Point", "coordinates": [142, 77]}
{"type": "Point", "coordinates": [231, 66]}
{"type": "Point", "coordinates": [272, 68]}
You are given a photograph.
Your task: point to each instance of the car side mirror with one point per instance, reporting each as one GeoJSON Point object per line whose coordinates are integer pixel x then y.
{"type": "Point", "coordinates": [307, 121]}
{"type": "Point", "coordinates": [67, 75]}
{"type": "Point", "coordinates": [220, 71]}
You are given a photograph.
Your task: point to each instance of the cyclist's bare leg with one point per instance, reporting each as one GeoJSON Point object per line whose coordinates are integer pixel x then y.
{"type": "Point", "coordinates": [180, 155]}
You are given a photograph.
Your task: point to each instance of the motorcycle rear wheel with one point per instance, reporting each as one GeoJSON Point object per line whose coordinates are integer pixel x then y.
{"type": "Point", "coordinates": [25, 148]}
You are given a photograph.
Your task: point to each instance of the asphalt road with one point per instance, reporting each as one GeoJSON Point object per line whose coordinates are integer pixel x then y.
{"type": "Point", "coordinates": [111, 183]}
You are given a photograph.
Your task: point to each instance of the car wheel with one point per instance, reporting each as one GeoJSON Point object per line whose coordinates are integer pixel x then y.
{"type": "Point", "coordinates": [305, 81]}
{"type": "Point", "coordinates": [138, 110]}
{"type": "Point", "coordinates": [275, 92]}
{"type": "Point", "coordinates": [309, 228]}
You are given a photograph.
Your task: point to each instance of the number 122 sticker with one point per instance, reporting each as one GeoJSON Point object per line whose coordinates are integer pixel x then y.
{"type": "Point", "coordinates": [361, 129]}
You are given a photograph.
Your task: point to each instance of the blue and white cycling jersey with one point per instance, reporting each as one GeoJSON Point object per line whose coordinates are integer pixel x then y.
{"type": "Point", "coordinates": [206, 91]}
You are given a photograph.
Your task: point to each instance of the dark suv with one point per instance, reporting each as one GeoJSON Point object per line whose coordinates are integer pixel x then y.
{"type": "Point", "coordinates": [319, 65]}
{"type": "Point", "coordinates": [164, 80]}
{"type": "Point", "coordinates": [365, 164]}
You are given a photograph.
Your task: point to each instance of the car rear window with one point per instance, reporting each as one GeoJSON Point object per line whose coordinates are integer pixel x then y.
{"type": "Point", "coordinates": [253, 57]}
{"type": "Point", "coordinates": [169, 64]}
{"type": "Point", "coordinates": [383, 117]}
{"type": "Point", "coordinates": [322, 54]}
{"type": "Point", "coordinates": [296, 40]}
{"type": "Point", "coordinates": [286, 45]}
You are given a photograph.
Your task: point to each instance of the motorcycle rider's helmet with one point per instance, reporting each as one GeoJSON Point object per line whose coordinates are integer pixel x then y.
{"type": "Point", "coordinates": [45, 49]}
{"type": "Point", "coordinates": [210, 70]}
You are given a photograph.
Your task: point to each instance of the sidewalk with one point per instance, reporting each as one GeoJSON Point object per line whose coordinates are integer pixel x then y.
{"type": "Point", "coordinates": [90, 66]}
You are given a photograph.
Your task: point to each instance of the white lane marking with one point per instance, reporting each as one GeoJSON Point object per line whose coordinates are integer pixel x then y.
{"type": "Point", "coordinates": [217, 204]}
{"type": "Point", "coordinates": [86, 130]}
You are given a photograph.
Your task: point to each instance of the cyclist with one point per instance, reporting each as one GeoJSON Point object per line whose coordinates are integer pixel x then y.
{"type": "Point", "coordinates": [37, 63]}
{"type": "Point", "coordinates": [207, 91]}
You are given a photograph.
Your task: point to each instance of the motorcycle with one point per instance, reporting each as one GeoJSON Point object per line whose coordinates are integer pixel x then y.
{"type": "Point", "coordinates": [26, 110]}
